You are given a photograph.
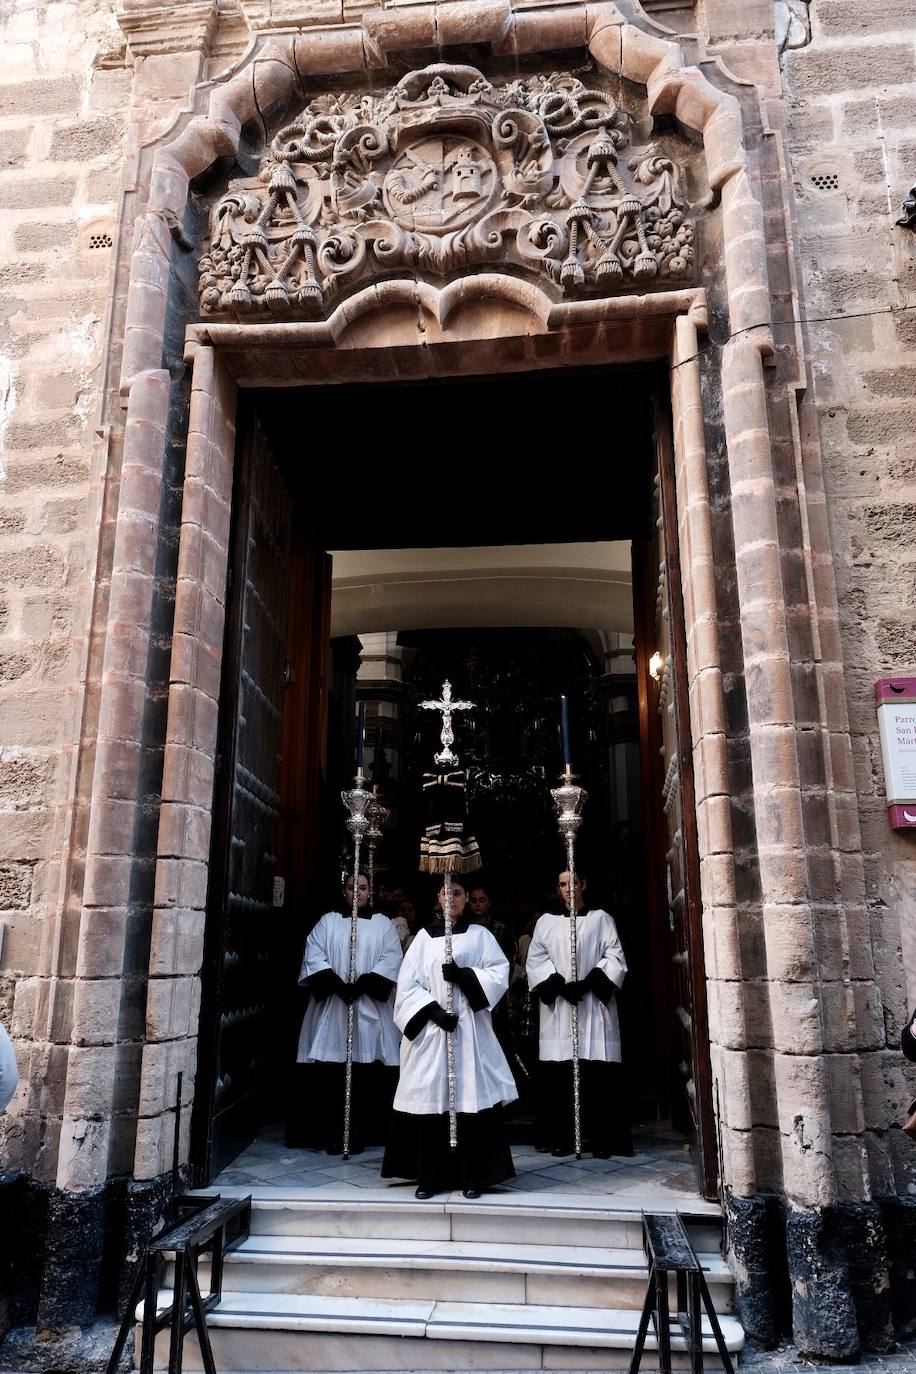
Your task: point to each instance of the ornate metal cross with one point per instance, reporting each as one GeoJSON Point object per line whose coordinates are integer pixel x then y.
{"type": "Point", "coordinates": [447, 706]}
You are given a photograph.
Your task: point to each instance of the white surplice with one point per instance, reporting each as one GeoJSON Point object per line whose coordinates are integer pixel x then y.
{"type": "Point", "coordinates": [324, 1027]}
{"type": "Point", "coordinates": [483, 1076]}
{"type": "Point", "coordinates": [598, 946]}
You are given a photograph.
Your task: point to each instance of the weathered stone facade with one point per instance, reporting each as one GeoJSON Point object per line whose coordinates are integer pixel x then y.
{"type": "Point", "coordinates": [796, 121]}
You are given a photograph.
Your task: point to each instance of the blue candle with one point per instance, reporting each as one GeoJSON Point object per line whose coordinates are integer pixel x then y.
{"type": "Point", "coordinates": [360, 736]}
{"type": "Point", "coordinates": [377, 756]}
{"type": "Point", "coordinates": [564, 725]}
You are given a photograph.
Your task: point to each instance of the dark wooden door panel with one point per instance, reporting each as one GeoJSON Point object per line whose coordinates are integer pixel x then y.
{"type": "Point", "coordinates": [244, 934]}
{"type": "Point", "coordinates": [674, 884]}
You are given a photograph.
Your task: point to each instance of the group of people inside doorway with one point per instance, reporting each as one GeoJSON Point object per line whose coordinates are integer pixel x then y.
{"type": "Point", "coordinates": [400, 1024]}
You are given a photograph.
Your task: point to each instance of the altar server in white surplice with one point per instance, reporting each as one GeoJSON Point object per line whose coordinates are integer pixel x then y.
{"type": "Point", "coordinates": [601, 972]}
{"type": "Point", "coordinates": [479, 973]}
{"type": "Point", "coordinates": [317, 1118]}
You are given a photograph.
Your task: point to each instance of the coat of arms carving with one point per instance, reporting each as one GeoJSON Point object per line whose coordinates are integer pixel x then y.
{"type": "Point", "coordinates": [443, 172]}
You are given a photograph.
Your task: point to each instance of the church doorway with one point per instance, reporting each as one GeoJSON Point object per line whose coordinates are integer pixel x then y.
{"type": "Point", "coordinates": [514, 535]}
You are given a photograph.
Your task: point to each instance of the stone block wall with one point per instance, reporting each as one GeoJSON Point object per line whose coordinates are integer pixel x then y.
{"type": "Point", "coordinates": [849, 77]}
{"type": "Point", "coordinates": [64, 114]}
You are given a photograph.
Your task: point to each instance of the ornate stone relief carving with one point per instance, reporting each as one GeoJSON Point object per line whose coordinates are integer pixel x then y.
{"type": "Point", "coordinates": [443, 172]}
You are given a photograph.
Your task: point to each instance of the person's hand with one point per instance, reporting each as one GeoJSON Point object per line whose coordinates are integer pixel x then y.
{"type": "Point", "coordinates": [348, 993]}
{"type": "Point", "coordinates": [450, 971]}
{"type": "Point", "coordinates": [445, 1020]}
{"type": "Point", "coordinates": [574, 992]}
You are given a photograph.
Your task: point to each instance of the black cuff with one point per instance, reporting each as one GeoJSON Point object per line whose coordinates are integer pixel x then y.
{"type": "Point", "coordinates": [374, 985]}
{"type": "Point", "coordinates": [325, 983]}
{"type": "Point", "coordinates": [469, 984]}
{"type": "Point", "coordinates": [908, 1041]}
{"type": "Point", "coordinates": [548, 991]}
{"type": "Point", "coordinates": [600, 984]}
{"type": "Point", "coordinates": [419, 1020]}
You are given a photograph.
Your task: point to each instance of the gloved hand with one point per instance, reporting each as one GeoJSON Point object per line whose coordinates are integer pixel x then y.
{"type": "Point", "coordinates": [326, 983]}
{"type": "Point", "coordinates": [548, 991]}
{"type": "Point", "coordinates": [445, 1020]}
{"type": "Point", "coordinates": [459, 974]}
{"type": "Point", "coordinates": [574, 992]}
{"type": "Point", "coordinates": [373, 985]}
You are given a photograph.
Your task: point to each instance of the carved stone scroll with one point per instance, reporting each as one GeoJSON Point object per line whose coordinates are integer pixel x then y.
{"type": "Point", "coordinates": [443, 172]}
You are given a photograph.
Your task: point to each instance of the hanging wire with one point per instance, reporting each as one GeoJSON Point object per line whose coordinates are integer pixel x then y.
{"type": "Point", "coordinates": [791, 321]}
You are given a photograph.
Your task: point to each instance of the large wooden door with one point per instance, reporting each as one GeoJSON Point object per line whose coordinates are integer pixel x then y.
{"type": "Point", "coordinates": [682, 1046]}
{"type": "Point", "coordinates": [269, 753]}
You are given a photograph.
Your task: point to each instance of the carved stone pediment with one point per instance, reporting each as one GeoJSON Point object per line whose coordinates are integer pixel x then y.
{"type": "Point", "coordinates": [443, 172]}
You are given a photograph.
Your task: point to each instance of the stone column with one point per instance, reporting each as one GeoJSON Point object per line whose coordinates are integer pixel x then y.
{"type": "Point", "coordinates": [379, 683]}
{"type": "Point", "coordinates": [808, 1012]}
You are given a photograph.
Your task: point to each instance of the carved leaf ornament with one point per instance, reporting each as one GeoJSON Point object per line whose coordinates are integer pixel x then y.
{"type": "Point", "coordinates": [443, 172]}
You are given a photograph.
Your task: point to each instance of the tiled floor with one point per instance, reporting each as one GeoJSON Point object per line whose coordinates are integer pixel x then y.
{"type": "Point", "coordinates": [660, 1167]}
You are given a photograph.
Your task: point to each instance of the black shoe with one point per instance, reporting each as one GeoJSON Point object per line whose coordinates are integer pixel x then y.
{"type": "Point", "coordinates": [335, 1148]}
{"type": "Point", "coordinates": [562, 1151]}
{"type": "Point", "coordinates": [601, 1154]}
{"type": "Point", "coordinates": [543, 1149]}
{"type": "Point", "coordinates": [424, 1194]}
{"type": "Point", "coordinates": [471, 1193]}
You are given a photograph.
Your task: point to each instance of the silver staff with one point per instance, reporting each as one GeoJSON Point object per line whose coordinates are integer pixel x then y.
{"type": "Point", "coordinates": [448, 757]}
{"type": "Point", "coordinates": [449, 1007]}
{"type": "Point", "coordinates": [569, 801]}
{"type": "Point", "coordinates": [357, 802]}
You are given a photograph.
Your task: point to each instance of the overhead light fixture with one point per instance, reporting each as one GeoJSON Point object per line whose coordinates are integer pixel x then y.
{"type": "Point", "coordinates": [656, 664]}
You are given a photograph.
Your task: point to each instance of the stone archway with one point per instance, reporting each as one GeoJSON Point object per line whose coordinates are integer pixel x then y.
{"type": "Point", "coordinates": [773, 1000]}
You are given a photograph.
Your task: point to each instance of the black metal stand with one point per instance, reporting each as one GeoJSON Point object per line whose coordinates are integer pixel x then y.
{"type": "Point", "coordinates": [215, 1226]}
{"type": "Point", "coordinates": [669, 1251]}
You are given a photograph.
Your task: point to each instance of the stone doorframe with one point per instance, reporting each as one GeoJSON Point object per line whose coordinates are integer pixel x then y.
{"type": "Point", "coordinates": [771, 1027]}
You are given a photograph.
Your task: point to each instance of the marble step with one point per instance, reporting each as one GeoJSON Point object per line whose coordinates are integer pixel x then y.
{"type": "Point", "coordinates": [297, 1332]}
{"type": "Point", "coordinates": [554, 1276]}
{"type": "Point", "coordinates": [555, 1219]}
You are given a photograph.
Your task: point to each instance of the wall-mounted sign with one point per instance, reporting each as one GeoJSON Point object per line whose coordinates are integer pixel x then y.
{"type": "Point", "coordinates": [896, 698]}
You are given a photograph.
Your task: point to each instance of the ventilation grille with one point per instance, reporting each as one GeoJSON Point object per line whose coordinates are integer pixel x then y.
{"type": "Point", "coordinates": [100, 241]}
{"type": "Point", "coordinates": [826, 181]}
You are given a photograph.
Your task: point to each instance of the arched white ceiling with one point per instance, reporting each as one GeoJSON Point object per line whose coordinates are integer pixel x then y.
{"type": "Point", "coordinates": [584, 585]}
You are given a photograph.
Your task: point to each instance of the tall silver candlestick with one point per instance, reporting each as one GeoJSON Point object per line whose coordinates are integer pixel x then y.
{"type": "Point", "coordinates": [378, 815]}
{"type": "Point", "coordinates": [357, 801]}
{"type": "Point", "coordinates": [569, 800]}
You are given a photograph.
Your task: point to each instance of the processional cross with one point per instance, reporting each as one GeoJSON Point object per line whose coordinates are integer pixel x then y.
{"type": "Point", "coordinates": [445, 756]}
{"type": "Point", "coordinates": [447, 706]}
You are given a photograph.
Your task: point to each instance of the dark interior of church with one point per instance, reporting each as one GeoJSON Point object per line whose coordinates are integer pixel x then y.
{"type": "Point", "coordinates": [540, 463]}
{"type": "Point", "coordinates": [524, 457]}
{"type": "Point", "coordinates": [510, 748]}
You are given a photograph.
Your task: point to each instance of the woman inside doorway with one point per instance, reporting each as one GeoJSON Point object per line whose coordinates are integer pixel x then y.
{"type": "Point", "coordinates": [418, 1146]}
{"type": "Point", "coordinates": [317, 1116]}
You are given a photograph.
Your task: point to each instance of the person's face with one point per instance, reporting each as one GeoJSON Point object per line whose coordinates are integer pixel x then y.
{"type": "Point", "coordinates": [398, 894]}
{"type": "Point", "coordinates": [384, 893]}
{"type": "Point", "coordinates": [480, 904]}
{"type": "Point", "coordinates": [408, 912]}
{"type": "Point", "coordinates": [563, 888]}
{"type": "Point", "coordinates": [459, 900]}
{"type": "Point", "coordinates": [362, 891]}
